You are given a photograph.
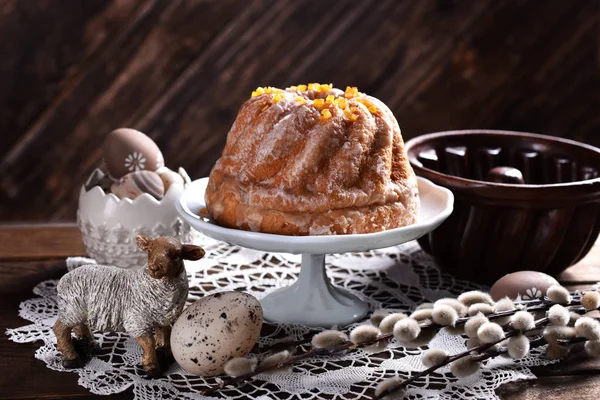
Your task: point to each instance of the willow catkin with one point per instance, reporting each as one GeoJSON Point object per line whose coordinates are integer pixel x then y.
{"type": "Point", "coordinates": [239, 366]}
{"type": "Point", "coordinates": [406, 330]}
{"type": "Point", "coordinates": [474, 297]}
{"type": "Point", "coordinates": [590, 300]}
{"type": "Point", "coordinates": [490, 332]}
{"type": "Point", "coordinates": [518, 346]}
{"type": "Point", "coordinates": [464, 366]}
{"type": "Point", "coordinates": [274, 359]}
{"type": "Point", "coordinates": [592, 347]}
{"type": "Point", "coordinates": [588, 328]}
{"type": "Point", "coordinates": [559, 294]}
{"type": "Point", "coordinates": [329, 338]}
{"type": "Point", "coordinates": [389, 384]}
{"type": "Point", "coordinates": [558, 315]}
{"type": "Point", "coordinates": [459, 307]}
{"type": "Point", "coordinates": [422, 314]}
{"type": "Point", "coordinates": [363, 333]}
{"type": "Point", "coordinates": [522, 321]}
{"type": "Point", "coordinates": [387, 324]}
{"type": "Point", "coordinates": [444, 314]}
{"type": "Point", "coordinates": [378, 316]}
{"type": "Point", "coordinates": [473, 325]}
{"type": "Point", "coordinates": [483, 308]}
{"type": "Point", "coordinates": [503, 305]}
{"type": "Point", "coordinates": [434, 357]}
{"type": "Point", "coordinates": [554, 333]}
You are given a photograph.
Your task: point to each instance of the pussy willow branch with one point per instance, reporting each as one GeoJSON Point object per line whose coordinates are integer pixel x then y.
{"type": "Point", "coordinates": [480, 350]}
{"type": "Point", "coordinates": [541, 307]}
{"type": "Point", "coordinates": [349, 346]}
{"type": "Point", "coordinates": [326, 351]}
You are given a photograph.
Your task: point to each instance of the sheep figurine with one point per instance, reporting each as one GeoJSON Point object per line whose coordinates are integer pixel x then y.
{"type": "Point", "coordinates": [144, 302]}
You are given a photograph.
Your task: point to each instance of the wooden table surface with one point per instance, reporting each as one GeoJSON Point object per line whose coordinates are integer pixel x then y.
{"type": "Point", "coordinates": [30, 254]}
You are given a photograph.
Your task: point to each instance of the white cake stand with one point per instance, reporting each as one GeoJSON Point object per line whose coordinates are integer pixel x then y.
{"type": "Point", "coordinates": [312, 300]}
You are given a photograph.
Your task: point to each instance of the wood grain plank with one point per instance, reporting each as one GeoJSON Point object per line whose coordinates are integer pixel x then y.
{"type": "Point", "coordinates": [30, 242]}
{"type": "Point", "coordinates": [43, 59]}
{"type": "Point", "coordinates": [180, 71]}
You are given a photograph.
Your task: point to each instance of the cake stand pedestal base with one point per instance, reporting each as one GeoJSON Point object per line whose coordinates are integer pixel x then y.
{"type": "Point", "coordinates": [312, 300]}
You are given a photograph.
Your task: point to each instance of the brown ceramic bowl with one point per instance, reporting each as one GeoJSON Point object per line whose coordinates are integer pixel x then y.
{"type": "Point", "coordinates": [546, 224]}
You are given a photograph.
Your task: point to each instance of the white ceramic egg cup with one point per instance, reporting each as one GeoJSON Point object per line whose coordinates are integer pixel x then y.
{"type": "Point", "coordinates": [312, 300]}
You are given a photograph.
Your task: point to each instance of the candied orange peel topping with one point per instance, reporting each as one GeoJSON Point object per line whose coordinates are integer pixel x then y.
{"type": "Point", "coordinates": [326, 105]}
{"type": "Point", "coordinates": [276, 98]}
{"type": "Point", "coordinates": [351, 92]}
{"type": "Point", "coordinates": [325, 114]}
{"type": "Point", "coordinates": [372, 109]}
{"type": "Point", "coordinates": [265, 90]}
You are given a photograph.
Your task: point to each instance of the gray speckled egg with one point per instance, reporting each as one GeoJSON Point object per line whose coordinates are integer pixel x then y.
{"type": "Point", "coordinates": [215, 329]}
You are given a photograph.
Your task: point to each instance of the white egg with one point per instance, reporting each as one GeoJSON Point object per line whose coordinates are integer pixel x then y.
{"type": "Point", "coordinates": [214, 330]}
{"type": "Point", "coordinates": [170, 177]}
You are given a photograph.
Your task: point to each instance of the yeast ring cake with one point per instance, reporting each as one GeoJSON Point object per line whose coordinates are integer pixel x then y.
{"type": "Point", "coordinates": [313, 160]}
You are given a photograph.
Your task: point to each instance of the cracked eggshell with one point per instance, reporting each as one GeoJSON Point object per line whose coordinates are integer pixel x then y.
{"type": "Point", "coordinates": [127, 150]}
{"type": "Point", "coordinates": [214, 330]}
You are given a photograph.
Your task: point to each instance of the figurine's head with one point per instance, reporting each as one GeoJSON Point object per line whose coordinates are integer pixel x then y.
{"type": "Point", "coordinates": [166, 255]}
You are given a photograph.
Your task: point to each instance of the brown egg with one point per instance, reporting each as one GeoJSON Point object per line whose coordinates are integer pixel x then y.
{"type": "Point", "coordinates": [529, 284]}
{"type": "Point", "coordinates": [170, 177]}
{"type": "Point", "coordinates": [136, 183]}
{"type": "Point", "coordinates": [127, 150]}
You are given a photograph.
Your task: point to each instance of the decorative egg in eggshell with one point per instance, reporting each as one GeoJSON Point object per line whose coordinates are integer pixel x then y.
{"type": "Point", "coordinates": [127, 150]}
{"type": "Point", "coordinates": [136, 183]}
{"type": "Point", "coordinates": [214, 330]}
{"type": "Point", "coordinates": [170, 177]}
{"type": "Point", "coordinates": [528, 285]}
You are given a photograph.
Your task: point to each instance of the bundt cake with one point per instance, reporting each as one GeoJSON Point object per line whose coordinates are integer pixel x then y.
{"type": "Point", "coordinates": [313, 160]}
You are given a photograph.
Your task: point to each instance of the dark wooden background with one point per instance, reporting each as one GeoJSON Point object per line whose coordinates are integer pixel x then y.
{"type": "Point", "coordinates": [71, 71]}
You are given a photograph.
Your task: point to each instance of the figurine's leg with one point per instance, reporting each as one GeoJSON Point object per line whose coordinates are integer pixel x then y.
{"type": "Point", "coordinates": [149, 361]}
{"type": "Point", "coordinates": [163, 337]}
{"type": "Point", "coordinates": [84, 344]}
{"type": "Point", "coordinates": [163, 346]}
{"type": "Point", "coordinates": [82, 331]}
{"type": "Point", "coordinates": [65, 346]}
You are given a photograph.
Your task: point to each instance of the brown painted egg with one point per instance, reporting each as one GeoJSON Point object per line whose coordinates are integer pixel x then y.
{"type": "Point", "coordinates": [170, 177]}
{"type": "Point", "coordinates": [127, 150]}
{"type": "Point", "coordinates": [214, 330]}
{"type": "Point", "coordinates": [528, 284]}
{"type": "Point", "coordinates": [136, 183]}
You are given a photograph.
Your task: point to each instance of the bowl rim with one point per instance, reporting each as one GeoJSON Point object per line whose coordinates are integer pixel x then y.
{"type": "Point", "coordinates": [465, 182]}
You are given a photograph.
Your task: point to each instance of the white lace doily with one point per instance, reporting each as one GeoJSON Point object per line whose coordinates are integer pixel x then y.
{"type": "Point", "coordinates": [397, 278]}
